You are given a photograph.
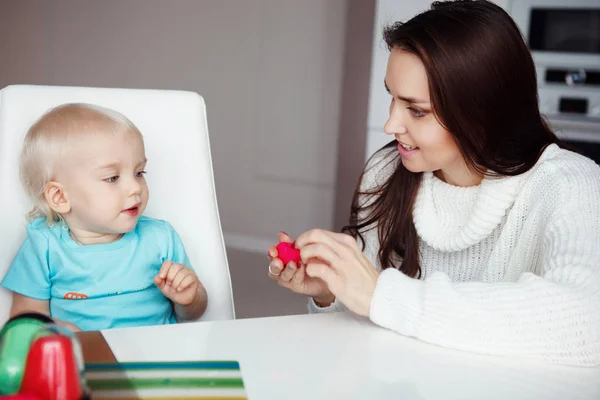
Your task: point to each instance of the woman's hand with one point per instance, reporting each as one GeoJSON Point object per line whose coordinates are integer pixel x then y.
{"type": "Point", "coordinates": [294, 277]}
{"type": "Point", "coordinates": [335, 259]}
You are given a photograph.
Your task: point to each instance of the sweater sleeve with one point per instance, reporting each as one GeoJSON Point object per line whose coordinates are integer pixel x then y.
{"type": "Point", "coordinates": [554, 316]}
{"type": "Point", "coordinates": [336, 306]}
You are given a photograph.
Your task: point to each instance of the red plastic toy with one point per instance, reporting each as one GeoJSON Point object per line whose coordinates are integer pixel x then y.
{"type": "Point", "coordinates": [52, 372]}
{"type": "Point", "coordinates": [287, 252]}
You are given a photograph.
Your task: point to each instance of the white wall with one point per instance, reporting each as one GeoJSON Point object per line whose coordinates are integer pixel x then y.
{"type": "Point", "coordinates": [387, 12]}
{"type": "Point", "coordinates": [269, 70]}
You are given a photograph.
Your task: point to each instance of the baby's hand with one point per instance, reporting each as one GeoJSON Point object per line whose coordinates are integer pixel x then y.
{"type": "Point", "coordinates": [72, 327]}
{"type": "Point", "coordinates": [177, 282]}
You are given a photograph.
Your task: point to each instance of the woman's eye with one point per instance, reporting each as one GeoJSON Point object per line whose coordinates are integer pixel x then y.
{"type": "Point", "coordinates": [140, 174]}
{"type": "Point", "coordinates": [112, 179]}
{"type": "Point", "coordinates": [417, 113]}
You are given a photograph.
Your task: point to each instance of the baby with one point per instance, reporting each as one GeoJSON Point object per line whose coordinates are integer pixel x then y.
{"type": "Point", "coordinates": [91, 260]}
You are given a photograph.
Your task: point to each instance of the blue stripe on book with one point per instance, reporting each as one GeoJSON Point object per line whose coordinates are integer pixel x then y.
{"type": "Point", "coordinates": [228, 365]}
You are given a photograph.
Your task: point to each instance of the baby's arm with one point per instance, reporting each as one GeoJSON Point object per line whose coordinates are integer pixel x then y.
{"type": "Point", "coordinates": [23, 304]}
{"type": "Point", "coordinates": [29, 275]}
{"type": "Point", "coordinates": [196, 308]}
{"type": "Point", "coordinates": [179, 282]}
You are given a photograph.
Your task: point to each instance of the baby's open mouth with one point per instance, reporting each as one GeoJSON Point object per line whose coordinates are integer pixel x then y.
{"type": "Point", "coordinates": [132, 210]}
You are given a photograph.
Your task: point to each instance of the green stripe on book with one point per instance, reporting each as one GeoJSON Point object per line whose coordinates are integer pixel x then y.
{"type": "Point", "coordinates": [161, 383]}
{"type": "Point", "coordinates": [229, 365]}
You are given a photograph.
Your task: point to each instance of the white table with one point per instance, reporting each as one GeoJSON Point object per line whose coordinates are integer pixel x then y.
{"type": "Point", "coordinates": [342, 356]}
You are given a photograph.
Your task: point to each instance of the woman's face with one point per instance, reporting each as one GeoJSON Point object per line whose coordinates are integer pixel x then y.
{"type": "Point", "coordinates": [423, 144]}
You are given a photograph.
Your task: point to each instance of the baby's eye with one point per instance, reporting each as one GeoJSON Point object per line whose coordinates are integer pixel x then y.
{"type": "Point", "coordinates": [112, 179]}
{"type": "Point", "coordinates": [140, 174]}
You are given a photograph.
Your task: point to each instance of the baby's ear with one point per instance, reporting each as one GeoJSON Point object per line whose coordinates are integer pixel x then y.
{"type": "Point", "coordinates": [56, 197]}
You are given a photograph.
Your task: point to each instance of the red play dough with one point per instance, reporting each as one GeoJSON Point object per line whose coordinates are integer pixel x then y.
{"type": "Point", "coordinates": [286, 253]}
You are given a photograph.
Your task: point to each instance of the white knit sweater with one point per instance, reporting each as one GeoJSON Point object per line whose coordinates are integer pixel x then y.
{"type": "Point", "coordinates": [509, 267]}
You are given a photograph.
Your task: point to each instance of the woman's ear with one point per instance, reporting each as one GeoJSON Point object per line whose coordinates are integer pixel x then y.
{"type": "Point", "coordinates": [56, 197]}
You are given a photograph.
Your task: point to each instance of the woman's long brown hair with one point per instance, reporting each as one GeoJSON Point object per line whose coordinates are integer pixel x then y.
{"type": "Point", "coordinates": [483, 90]}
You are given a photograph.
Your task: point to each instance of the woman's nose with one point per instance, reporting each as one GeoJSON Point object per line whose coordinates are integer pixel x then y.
{"type": "Point", "coordinates": [395, 124]}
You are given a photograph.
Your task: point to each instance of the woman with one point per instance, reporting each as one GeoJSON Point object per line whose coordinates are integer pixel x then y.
{"type": "Point", "coordinates": [473, 229]}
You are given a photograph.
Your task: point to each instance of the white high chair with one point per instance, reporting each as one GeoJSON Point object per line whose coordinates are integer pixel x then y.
{"type": "Point", "coordinates": [180, 175]}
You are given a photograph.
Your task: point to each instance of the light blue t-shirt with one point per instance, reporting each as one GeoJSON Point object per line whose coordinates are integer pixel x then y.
{"type": "Point", "coordinates": [98, 286]}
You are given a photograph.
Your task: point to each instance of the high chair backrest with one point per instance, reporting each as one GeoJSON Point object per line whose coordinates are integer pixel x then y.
{"type": "Point", "coordinates": [180, 175]}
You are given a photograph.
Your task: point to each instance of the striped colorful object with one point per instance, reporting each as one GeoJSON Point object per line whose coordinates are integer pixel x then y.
{"type": "Point", "coordinates": [215, 380]}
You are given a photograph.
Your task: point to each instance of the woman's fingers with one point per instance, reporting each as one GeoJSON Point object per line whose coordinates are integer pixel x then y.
{"type": "Point", "coordinates": [288, 272]}
{"type": "Point", "coordinates": [321, 251]}
{"type": "Point", "coordinates": [323, 272]}
{"type": "Point", "coordinates": [347, 240]}
{"type": "Point", "coordinates": [299, 276]}
{"type": "Point", "coordinates": [275, 268]}
{"type": "Point", "coordinates": [339, 243]}
{"type": "Point", "coordinates": [284, 237]}
{"type": "Point", "coordinates": [272, 253]}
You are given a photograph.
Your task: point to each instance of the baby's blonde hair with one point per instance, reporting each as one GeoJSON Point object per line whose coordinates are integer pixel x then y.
{"type": "Point", "coordinates": [48, 139]}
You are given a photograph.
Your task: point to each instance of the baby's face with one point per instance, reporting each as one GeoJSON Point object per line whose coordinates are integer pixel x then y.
{"type": "Point", "coordinates": [105, 184]}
